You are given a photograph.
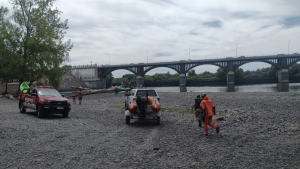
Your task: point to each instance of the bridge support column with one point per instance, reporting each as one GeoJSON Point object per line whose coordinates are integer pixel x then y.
{"type": "Point", "coordinates": [182, 82]}
{"type": "Point", "coordinates": [283, 80]}
{"type": "Point", "coordinates": [230, 81]}
{"type": "Point", "coordinates": [100, 83]}
{"type": "Point", "coordinates": [139, 80]}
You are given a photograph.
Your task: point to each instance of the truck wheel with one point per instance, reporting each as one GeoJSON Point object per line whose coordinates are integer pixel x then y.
{"type": "Point", "coordinates": [127, 119]}
{"type": "Point", "coordinates": [22, 108]}
{"type": "Point", "coordinates": [65, 114]}
{"type": "Point", "coordinates": [126, 107]}
{"type": "Point", "coordinates": [40, 112]}
{"type": "Point", "coordinates": [158, 120]}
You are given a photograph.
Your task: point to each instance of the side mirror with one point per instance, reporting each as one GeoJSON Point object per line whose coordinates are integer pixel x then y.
{"type": "Point", "coordinates": [62, 95]}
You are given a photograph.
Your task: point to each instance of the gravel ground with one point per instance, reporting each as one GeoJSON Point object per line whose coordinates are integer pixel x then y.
{"type": "Point", "coordinates": [259, 130]}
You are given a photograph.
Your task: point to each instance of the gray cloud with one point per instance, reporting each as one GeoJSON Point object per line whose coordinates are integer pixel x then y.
{"type": "Point", "coordinates": [214, 24]}
{"type": "Point", "coordinates": [291, 22]}
{"type": "Point", "coordinates": [163, 55]}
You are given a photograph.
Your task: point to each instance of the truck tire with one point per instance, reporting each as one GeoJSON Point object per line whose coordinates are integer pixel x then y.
{"type": "Point", "coordinates": [22, 108]}
{"type": "Point", "coordinates": [65, 114]}
{"type": "Point", "coordinates": [127, 119]}
{"type": "Point", "coordinates": [126, 107]}
{"type": "Point", "coordinates": [158, 120]}
{"type": "Point", "coordinates": [40, 112]}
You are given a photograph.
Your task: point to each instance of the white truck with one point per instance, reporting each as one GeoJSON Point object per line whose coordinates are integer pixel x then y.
{"type": "Point", "coordinates": [132, 96]}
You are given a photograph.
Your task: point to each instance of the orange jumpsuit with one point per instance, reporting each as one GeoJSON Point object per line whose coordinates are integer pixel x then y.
{"type": "Point", "coordinates": [208, 108]}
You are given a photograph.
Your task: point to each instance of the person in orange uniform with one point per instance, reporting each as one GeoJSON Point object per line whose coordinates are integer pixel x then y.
{"type": "Point", "coordinates": [209, 109]}
{"type": "Point", "coordinates": [79, 94]}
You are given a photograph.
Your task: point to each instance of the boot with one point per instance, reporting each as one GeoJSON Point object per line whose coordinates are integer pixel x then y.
{"type": "Point", "coordinates": [218, 129]}
{"type": "Point", "coordinates": [200, 123]}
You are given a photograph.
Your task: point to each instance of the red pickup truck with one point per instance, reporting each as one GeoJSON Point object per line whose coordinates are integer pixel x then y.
{"type": "Point", "coordinates": [44, 99]}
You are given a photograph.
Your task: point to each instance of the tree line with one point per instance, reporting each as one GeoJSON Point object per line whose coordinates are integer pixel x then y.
{"type": "Point", "coordinates": [31, 42]}
{"type": "Point", "coordinates": [294, 71]}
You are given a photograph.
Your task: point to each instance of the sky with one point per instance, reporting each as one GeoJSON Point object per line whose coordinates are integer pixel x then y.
{"type": "Point", "coordinates": [135, 31]}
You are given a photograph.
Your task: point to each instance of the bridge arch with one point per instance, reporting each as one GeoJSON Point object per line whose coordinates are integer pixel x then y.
{"type": "Point", "coordinates": [196, 65]}
{"type": "Point", "coordinates": [273, 62]}
{"type": "Point", "coordinates": [147, 69]}
{"type": "Point", "coordinates": [111, 70]}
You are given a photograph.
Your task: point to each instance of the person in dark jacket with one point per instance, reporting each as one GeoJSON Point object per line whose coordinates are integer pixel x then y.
{"type": "Point", "coordinates": [198, 111]}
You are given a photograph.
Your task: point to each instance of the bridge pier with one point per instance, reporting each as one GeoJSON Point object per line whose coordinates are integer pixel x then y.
{"type": "Point", "coordinates": [230, 81]}
{"type": "Point", "coordinates": [182, 82]}
{"type": "Point", "coordinates": [100, 83]}
{"type": "Point", "coordinates": [139, 80]}
{"type": "Point", "coordinates": [283, 80]}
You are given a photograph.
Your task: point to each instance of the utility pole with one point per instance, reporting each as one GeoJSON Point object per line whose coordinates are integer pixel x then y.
{"type": "Point", "coordinates": [189, 54]}
{"type": "Point", "coordinates": [147, 56]}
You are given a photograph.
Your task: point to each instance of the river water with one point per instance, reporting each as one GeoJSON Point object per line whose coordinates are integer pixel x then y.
{"type": "Point", "coordinates": [293, 87]}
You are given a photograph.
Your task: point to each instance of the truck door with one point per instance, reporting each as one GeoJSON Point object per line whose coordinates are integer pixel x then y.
{"type": "Point", "coordinates": [27, 98]}
{"type": "Point", "coordinates": [34, 99]}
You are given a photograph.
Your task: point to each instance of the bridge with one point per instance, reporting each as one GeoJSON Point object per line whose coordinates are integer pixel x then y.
{"type": "Point", "coordinates": [96, 74]}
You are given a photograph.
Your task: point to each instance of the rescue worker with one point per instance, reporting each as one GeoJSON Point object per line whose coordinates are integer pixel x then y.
{"type": "Point", "coordinates": [209, 109]}
{"type": "Point", "coordinates": [198, 111]}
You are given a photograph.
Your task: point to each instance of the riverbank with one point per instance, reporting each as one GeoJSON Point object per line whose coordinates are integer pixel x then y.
{"type": "Point", "coordinates": [259, 130]}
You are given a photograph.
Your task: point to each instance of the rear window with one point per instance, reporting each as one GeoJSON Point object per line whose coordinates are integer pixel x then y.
{"type": "Point", "coordinates": [144, 93]}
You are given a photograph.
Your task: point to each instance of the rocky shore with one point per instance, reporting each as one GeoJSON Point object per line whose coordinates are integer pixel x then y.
{"type": "Point", "coordinates": [259, 130]}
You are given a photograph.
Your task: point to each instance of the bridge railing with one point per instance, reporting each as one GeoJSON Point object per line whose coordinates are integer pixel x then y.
{"type": "Point", "coordinates": [170, 61]}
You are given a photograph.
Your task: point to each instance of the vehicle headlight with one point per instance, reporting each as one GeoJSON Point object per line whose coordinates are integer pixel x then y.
{"type": "Point", "coordinates": [68, 102]}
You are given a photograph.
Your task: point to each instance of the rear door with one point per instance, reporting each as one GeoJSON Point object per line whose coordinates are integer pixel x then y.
{"type": "Point", "coordinates": [33, 99]}
{"type": "Point", "coordinates": [27, 98]}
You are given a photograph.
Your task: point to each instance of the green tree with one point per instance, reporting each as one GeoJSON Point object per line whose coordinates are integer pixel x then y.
{"type": "Point", "coordinates": [148, 78]}
{"type": "Point", "coordinates": [35, 39]}
{"type": "Point", "coordinates": [109, 78]}
{"type": "Point", "coordinates": [192, 73]}
{"type": "Point", "coordinates": [272, 71]}
{"type": "Point", "coordinates": [221, 73]}
{"type": "Point", "coordinates": [239, 73]}
{"type": "Point", "coordinates": [294, 70]}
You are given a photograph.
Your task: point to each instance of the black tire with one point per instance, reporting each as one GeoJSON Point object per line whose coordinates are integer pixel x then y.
{"type": "Point", "coordinates": [40, 112]}
{"type": "Point", "coordinates": [126, 107]}
{"type": "Point", "coordinates": [65, 114]}
{"type": "Point", "coordinates": [22, 108]}
{"type": "Point", "coordinates": [158, 120]}
{"type": "Point", "coordinates": [127, 119]}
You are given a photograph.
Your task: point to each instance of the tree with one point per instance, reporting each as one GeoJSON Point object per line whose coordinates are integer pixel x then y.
{"type": "Point", "coordinates": [192, 73]}
{"type": "Point", "coordinates": [7, 61]}
{"type": "Point", "coordinates": [295, 70]}
{"type": "Point", "coordinates": [221, 73]}
{"type": "Point", "coordinates": [239, 73]}
{"type": "Point", "coordinates": [35, 39]}
{"type": "Point", "coordinates": [272, 71]}
{"type": "Point", "coordinates": [109, 78]}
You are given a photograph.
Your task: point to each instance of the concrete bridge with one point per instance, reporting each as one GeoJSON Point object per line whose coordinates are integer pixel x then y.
{"type": "Point", "coordinates": [96, 74]}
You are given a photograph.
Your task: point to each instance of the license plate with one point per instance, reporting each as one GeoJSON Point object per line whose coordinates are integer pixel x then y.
{"type": "Point", "coordinates": [60, 108]}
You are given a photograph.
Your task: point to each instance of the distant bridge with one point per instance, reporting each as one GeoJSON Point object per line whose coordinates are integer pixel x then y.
{"type": "Point", "coordinates": [96, 74]}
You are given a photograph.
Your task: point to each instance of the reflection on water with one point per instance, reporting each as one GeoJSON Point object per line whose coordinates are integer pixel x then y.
{"type": "Point", "coordinates": [293, 87]}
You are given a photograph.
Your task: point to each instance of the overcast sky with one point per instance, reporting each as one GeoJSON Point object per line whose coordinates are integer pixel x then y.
{"type": "Point", "coordinates": [126, 31]}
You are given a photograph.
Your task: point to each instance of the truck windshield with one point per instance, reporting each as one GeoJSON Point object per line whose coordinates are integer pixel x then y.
{"type": "Point", "coordinates": [143, 93]}
{"type": "Point", "coordinates": [53, 93]}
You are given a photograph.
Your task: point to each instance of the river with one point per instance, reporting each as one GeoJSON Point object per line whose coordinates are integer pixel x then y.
{"type": "Point", "coordinates": [293, 87]}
